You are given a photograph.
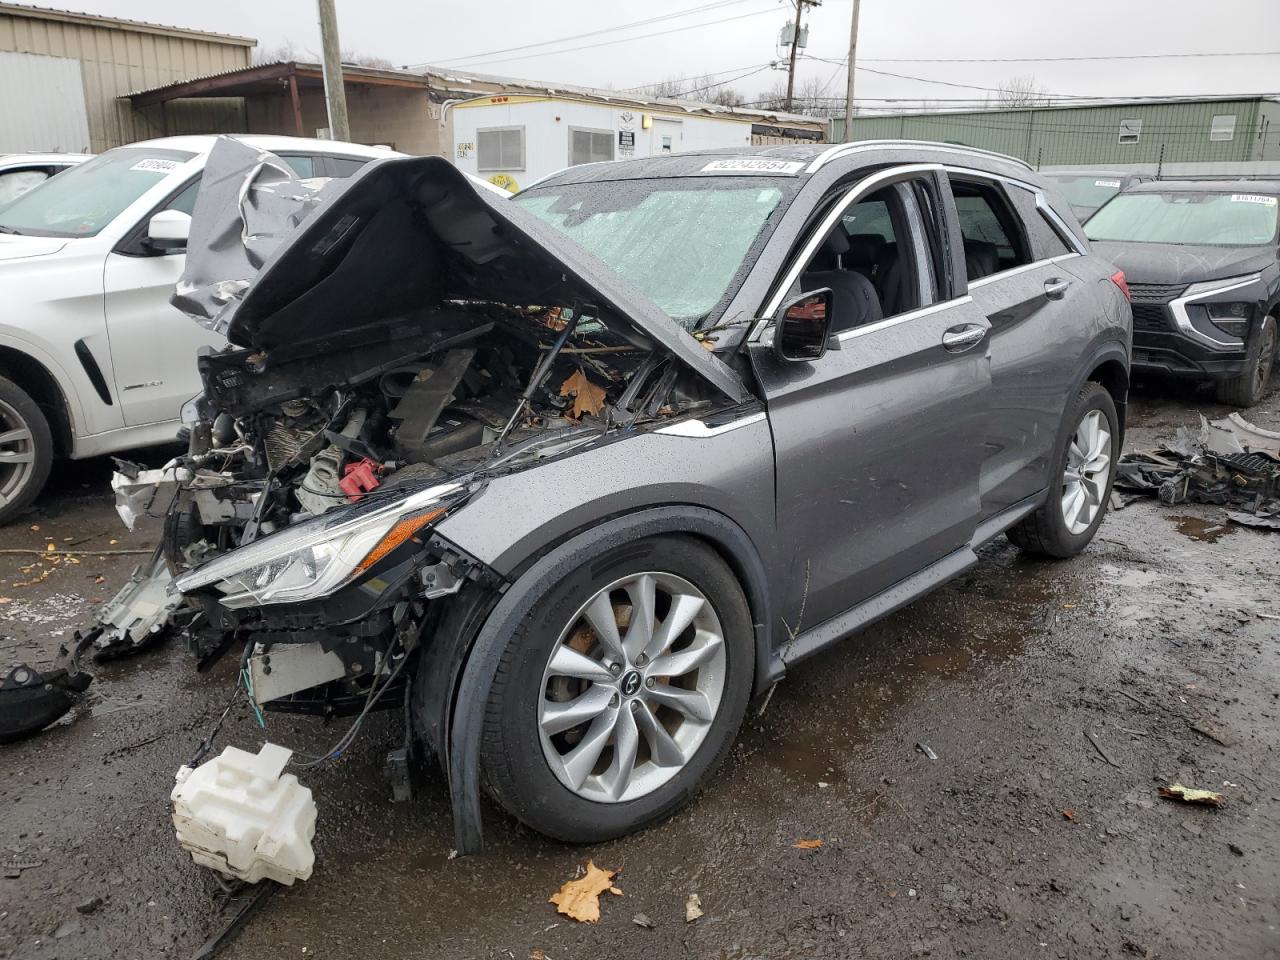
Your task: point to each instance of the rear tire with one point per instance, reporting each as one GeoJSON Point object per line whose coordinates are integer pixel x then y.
{"type": "Point", "coordinates": [1248, 387]}
{"type": "Point", "coordinates": [1079, 489]}
{"type": "Point", "coordinates": [26, 450]}
{"type": "Point", "coordinates": [556, 671]}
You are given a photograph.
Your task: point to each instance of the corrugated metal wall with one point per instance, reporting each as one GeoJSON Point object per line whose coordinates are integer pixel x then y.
{"type": "Point", "coordinates": [41, 104]}
{"type": "Point", "coordinates": [116, 60]}
{"type": "Point", "coordinates": [1170, 133]}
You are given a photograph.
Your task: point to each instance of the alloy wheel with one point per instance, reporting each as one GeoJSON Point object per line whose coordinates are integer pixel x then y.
{"type": "Point", "coordinates": [17, 453]}
{"type": "Point", "coordinates": [1084, 482]}
{"type": "Point", "coordinates": [632, 687]}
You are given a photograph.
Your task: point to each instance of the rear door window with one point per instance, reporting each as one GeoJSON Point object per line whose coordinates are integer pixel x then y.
{"type": "Point", "coordinates": [994, 238]}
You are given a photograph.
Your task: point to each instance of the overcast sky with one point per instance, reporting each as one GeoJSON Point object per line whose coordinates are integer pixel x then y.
{"type": "Point", "coordinates": [409, 32]}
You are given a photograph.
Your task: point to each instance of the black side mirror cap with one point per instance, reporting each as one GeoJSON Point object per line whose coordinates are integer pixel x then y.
{"type": "Point", "coordinates": [802, 330]}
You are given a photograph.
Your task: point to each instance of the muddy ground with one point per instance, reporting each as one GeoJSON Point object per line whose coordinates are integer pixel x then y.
{"type": "Point", "coordinates": [1169, 620]}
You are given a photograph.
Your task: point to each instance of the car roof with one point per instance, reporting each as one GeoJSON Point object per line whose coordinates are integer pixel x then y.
{"type": "Point", "coordinates": [810, 157]}
{"type": "Point", "coordinates": [204, 143]}
{"type": "Point", "coordinates": [1263, 187]}
{"type": "Point", "coordinates": [1088, 172]}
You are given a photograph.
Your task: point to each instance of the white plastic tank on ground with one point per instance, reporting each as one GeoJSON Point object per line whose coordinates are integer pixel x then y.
{"type": "Point", "coordinates": [241, 815]}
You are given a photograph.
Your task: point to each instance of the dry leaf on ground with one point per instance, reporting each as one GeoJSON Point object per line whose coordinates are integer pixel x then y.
{"type": "Point", "coordinates": [587, 397]}
{"type": "Point", "coordinates": [580, 899]}
{"type": "Point", "coordinates": [692, 908]}
{"type": "Point", "coordinates": [1069, 815]}
{"type": "Point", "coordinates": [1206, 798]}
{"type": "Point", "coordinates": [807, 844]}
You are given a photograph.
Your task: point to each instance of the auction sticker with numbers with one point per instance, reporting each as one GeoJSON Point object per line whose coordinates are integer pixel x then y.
{"type": "Point", "coordinates": [756, 165]}
{"type": "Point", "coordinates": [156, 165]}
{"type": "Point", "coordinates": [1253, 198]}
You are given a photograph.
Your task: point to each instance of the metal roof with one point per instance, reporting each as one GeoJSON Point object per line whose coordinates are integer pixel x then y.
{"type": "Point", "coordinates": [137, 26]}
{"type": "Point", "coordinates": [265, 78]}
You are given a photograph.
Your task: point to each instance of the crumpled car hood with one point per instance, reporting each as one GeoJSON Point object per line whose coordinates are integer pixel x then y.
{"type": "Point", "coordinates": [1178, 263]}
{"type": "Point", "coordinates": [275, 260]}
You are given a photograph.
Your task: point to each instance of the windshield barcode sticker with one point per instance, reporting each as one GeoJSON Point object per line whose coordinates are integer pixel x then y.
{"type": "Point", "coordinates": [1253, 198]}
{"type": "Point", "coordinates": [1107, 183]}
{"type": "Point", "coordinates": [156, 166]}
{"type": "Point", "coordinates": [758, 165]}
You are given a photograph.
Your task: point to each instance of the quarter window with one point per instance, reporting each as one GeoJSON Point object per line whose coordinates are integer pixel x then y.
{"type": "Point", "coordinates": [1046, 241]}
{"type": "Point", "coordinates": [500, 148]}
{"type": "Point", "coordinates": [1223, 127]}
{"type": "Point", "coordinates": [994, 238]}
{"type": "Point", "coordinates": [589, 146]}
{"type": "Point", "coordinates": [1130, 131]}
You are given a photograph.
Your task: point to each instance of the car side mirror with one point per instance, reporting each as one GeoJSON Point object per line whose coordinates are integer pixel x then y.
{"type": "Point", "coordinates": [803, 327]}
{"type": "Point", "coordinates": [169, 230]}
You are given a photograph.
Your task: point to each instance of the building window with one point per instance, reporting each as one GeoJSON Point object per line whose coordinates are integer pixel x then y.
{"type": "Point", "coordinates": [589, 146]}
{"type": "Point", "coordinates": [1223, 127]}
{"type": "Point", "coordinates": [1130, 131]}
{"type": "Point", "coordinates": [500, 148]}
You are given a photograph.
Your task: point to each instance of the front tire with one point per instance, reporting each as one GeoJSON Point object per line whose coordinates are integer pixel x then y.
{"type": "Point", "coordinates": [1248, 387]}
{"type": "Point", "coordinates": [620, 692]}
{"type": "Point", "coordinates": [26, 450]}
{"type": "Point", "coordinates": [1084, 468]}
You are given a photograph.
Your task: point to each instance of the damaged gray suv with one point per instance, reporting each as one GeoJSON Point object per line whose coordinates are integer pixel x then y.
{"type": "Point", "coordinates": [572, 477]}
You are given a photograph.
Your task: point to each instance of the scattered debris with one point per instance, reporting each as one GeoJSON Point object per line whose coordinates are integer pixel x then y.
{"type": "Point", "coordinates": [1207, 798]}
{"type": "Point", "coordinates": [138, 615]}
{"type": "Point", "coordinates": [692, 908]}
{"type": "Point", "coordinates": [13, 868]}
{"type": "Point", "coordinates": [587, 397]}
{"type": "Point", "coordinates": [1213, 732]}
{"type": "Point", "coordinates": [926, 750]}
{"type": "Point", "coordinates": [1236, 849]}
{"type": "Point", "coordinates": [807, 844]}
{"type": "Point", "coordinates": [243, 816]}
{"type": "Point", "coordinates": [1097, 746]}
{"type": "Point", "coordinates": [31, 700]}
{"type": "Point", "coordinates": [251, 905]}
{"type": "Point", "coordinates": [642, 920]}
{"type": "Point", "coordinates": [1069, 815]}
{"type": "Point", "coordinates": [89, 906]}
{"type": "Point", "coordinates": [579, 899]}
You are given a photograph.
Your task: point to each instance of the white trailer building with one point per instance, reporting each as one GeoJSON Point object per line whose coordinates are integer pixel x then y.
{"type": "Point", "coordinates": [515, 139]}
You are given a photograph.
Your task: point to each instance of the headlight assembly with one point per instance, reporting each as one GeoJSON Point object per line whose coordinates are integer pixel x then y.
{"type": "Point", "coordinates": [311, 560]}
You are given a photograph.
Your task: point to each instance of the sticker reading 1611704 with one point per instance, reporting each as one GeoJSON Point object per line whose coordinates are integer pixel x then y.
{"type": "Point", "coordinates": [1253, 198]}
{"type": "Point", "coordinates": [754, 165]}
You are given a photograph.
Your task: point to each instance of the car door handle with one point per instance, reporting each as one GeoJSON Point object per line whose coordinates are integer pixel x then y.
{"type": "Point", "coordinates": [1055, 288]}
{"type": "Point", "coordinates": [961, 338]}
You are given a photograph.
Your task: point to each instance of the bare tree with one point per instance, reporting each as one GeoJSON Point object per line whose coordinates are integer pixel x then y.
{"type": "Point", "coordinates": [705, 89]}
{"type": "Point", "coordinates": [1018, 93]}
{"type": "Point", "coordinates": [367, 60]}
{"type": "Point", "coordinates": [811, 98]}
{"type": "Point", "coordinates": [280, 53]}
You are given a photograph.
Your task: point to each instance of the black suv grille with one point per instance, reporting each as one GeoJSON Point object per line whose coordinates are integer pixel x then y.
{"type": "Point", "coordinates": [1155, 292]}
{"type": "Point", "coordinates": [1149, 316]}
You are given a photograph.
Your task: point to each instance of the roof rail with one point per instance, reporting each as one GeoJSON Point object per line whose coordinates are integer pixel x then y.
{"type": "Point", "coordinates": [843, 149]}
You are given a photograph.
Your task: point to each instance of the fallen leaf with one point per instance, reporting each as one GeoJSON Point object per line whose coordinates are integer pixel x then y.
{"type": "Point", "coordinates": [537, 955]}
{"type": "Point", "coordinates": [1069, 815]}
{"type": "Point", "coordinates": [692, 908]}
{"type": "Point", "coordinates": [50, 546]}
{"type": "Point", "coordinates": [113, 542]}
{"type": "Point", "coordinates": [580, 899]}
{"type": "Point", "coordinates": [35, 527]}
{"type": "Point", "coordinates": [1206, 798]}
{"type": "Point", "coordinates": [587, 397]}
{"type": "Point", "coordinates": [807, 844]}
{"type": "Point", "coordinates": [6, 600]}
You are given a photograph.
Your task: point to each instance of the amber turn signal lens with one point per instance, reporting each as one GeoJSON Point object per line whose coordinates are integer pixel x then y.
{"type": "Point", "coordinates": [402, 531]}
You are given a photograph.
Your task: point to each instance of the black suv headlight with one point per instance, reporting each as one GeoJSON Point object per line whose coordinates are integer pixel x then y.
{"type": "Point", "coordinates": [1231, 318]}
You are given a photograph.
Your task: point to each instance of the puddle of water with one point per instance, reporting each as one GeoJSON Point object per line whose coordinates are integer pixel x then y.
{"type": "Point", "coordinates": [1205, 531]}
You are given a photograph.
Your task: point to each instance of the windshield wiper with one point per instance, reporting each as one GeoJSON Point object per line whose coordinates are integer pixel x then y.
{"type": "Point", "coordinates": [13, 230]}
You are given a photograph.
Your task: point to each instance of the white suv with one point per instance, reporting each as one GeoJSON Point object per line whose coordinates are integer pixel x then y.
{"type": "Point", "coordinates": [93, 359]}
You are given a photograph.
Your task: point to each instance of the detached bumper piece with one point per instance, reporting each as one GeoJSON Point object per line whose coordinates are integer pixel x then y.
{"type": "Point", "coordinates": [138, 616]}
{"type": "Point", "coordinates": [31, 700]}
{"type": "Point", "coordinates": [243, 816]}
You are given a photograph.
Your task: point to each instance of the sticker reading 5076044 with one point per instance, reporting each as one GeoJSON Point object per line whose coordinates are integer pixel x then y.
{"type": "Point", "coordinates": [754, 165]}
{"type": "Point", "coordinates": [1253, 198]}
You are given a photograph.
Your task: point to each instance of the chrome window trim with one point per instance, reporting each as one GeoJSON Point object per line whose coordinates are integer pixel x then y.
{"type": "Point", "coordinates": [861, 146]}
{"type": "Point", "coordinates": [1042, 202]}
{"type": "Point", "coordinates": [698, 430]}
{"type": "Point", "coordinates": [818, 234]}
{"type": "Point", "coordinates": [1013, 271]}
{"type": "Point", "coordinates": [1182, 319]}
{"type": "Point", "coordinates": [902, 318]}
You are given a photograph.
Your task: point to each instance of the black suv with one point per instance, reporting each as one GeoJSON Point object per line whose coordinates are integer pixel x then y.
{"type": "Point", "coordinates": [1201, 261]}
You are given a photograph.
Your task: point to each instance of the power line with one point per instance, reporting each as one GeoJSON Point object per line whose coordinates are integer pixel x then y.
{"type": "Point", "coordinates": [1118, 56]}
{"type": "Point", "coordinates": [715, 73]}
{"type": "Point", "coordinates": [594, 33]}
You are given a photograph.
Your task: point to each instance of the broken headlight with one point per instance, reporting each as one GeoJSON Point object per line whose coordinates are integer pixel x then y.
{"type": "Point", "coordinates": [313, 559]}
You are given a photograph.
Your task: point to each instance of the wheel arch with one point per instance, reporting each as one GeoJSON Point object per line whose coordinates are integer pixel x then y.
{"type": "Point", "coordinates": [457, 677]}
{"type": "Point", "coordinates": [41, 385]}
{"type": "Point", "coordinates": [1109, 366]}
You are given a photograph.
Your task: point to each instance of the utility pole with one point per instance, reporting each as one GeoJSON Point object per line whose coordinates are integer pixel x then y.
{"type": "Point", "coordinates": [795, 47]}
{"type": "Point", "coordinates": [853, 60]}
{"type": "Point", "coordinates": [335, 94]}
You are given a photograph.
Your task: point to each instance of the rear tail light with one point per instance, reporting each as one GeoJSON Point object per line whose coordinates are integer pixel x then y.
{"type": "Point", "coordinates": [1118, 279]}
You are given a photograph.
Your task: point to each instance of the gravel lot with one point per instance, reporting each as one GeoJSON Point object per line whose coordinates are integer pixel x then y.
{"type": "Point", "coordinates": [1171, 619]}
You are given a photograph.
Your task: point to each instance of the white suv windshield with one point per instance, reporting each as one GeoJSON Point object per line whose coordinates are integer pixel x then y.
{"type": "Point", "coordinates": [1221, 219]}
{"type": "Point", "coordinates": [680, 241]}
{"type": "Point", "coordinates": [82, 200]}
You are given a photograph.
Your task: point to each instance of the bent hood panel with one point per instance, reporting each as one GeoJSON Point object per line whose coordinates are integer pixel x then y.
{"type": "Point", "coordinates": [275, 260]}
{"type": "Point", "coordinates": [1175, 263]}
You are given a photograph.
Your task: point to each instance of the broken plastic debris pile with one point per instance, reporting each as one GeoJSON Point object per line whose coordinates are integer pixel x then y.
{"type": "Point", "coordinates": [241, 815]}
